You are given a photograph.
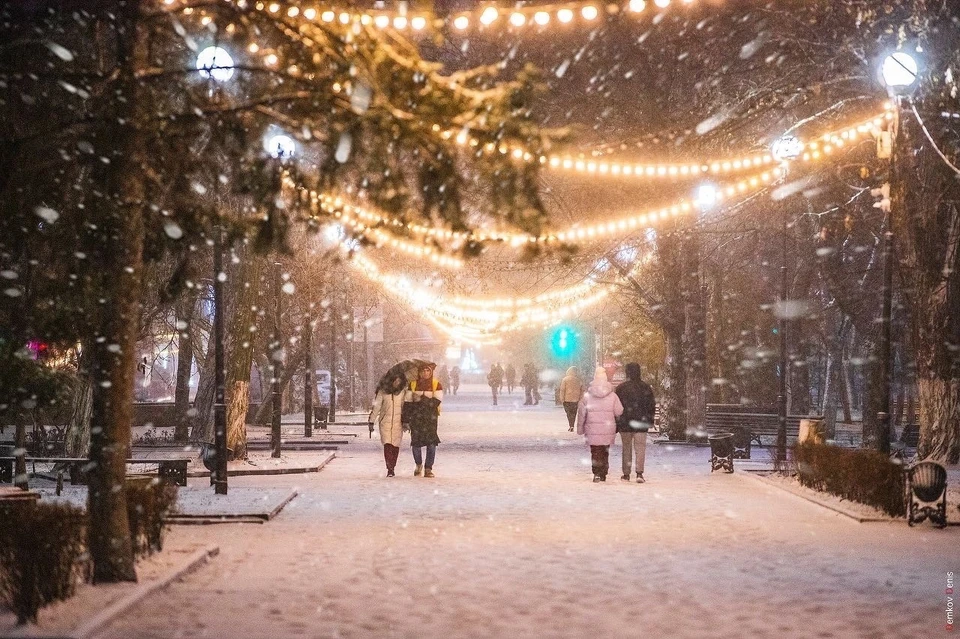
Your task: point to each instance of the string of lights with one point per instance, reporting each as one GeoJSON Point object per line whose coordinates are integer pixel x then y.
{"type": "Point", "coordinates": [484, 17]}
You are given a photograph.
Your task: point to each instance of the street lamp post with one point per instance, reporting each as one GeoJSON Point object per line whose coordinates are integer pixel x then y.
{"type": "Point", "coordinates": [276, 355]}
{"type": "Point", "coordinates": [784, 150]}
{"type": "Point", "coordinates": [216, 65]}
{"type": "Point", "coordinates": [898, 71]}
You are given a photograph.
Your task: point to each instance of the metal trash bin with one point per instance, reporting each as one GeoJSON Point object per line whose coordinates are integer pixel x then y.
{"type": "Point", "coordinates": [721, 452]}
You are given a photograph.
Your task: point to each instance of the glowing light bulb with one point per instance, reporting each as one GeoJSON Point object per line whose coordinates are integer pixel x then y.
{"type": "Point", "coordinates": [327, 16]}
{"type": "Point", "coordinates": [518, 19]}
{"type": "Point", "coordinates": [564, 15]}
{"type": "Point", "coordinates": [310, 14]}
{"type": "Point", "coordinates": [293, 12]}
{"type": "Point", "coordinates": [589, 12]}
{"type": "Point", "coordinates": [489, 15]}
{"type": "Point", "coordinates": [344, 18]}
{"type": "Point", "coordinates": [400, 22]}
{"type": "Point", "coordinates": [541, 17]}
{"type": "Point", "coordinates": [382, 21]}
{"type": "Point", "coordinates": [418, 23]}
{"type": "Point", "coordinates": [461, 22]}
{"type": "Point", "coordinates": [638, 5]}
{"type": "Point", "coordinates": [663, 4]}
{"type": "Point", "coordinates": [271, 59]}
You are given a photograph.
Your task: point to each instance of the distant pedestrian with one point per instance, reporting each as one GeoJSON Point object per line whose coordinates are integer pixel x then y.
{"type": "Point", "coordinates": [596, 418]}
{"type": "Point", "coordinates": [571, 391]}
{"type": "Point", "coordinates": [536, 386]}
{"type": "Point", "coordinates": [443, 375]}
{"type": "Point", "coordinates": [511, 375]}
{"type": "Point", "coordinates": [495, 380]}
{"type": "Point", "coordinates": [423, 411]}
{"type": "Point", "coordinates": [529, 381]}
{"type": "Point", "coordinates": [455, 379]}
{"type": "Point", "coordinates": [387, 414]}
{"type": "Point", "coordinates": [639, 406]}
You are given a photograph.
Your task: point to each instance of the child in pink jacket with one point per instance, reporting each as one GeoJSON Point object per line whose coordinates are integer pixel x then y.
{"type": "Point", "coordinates": [597, 419]}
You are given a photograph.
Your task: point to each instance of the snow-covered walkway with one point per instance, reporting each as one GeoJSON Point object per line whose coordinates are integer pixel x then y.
{"type": "Point", "coordinates": [512, 539]}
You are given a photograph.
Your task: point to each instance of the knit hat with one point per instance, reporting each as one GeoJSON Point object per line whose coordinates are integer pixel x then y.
{"type": "Point", "coordinates": [600, 375]}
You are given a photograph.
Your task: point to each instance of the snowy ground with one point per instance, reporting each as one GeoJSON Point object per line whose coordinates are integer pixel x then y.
{"type": "Point", "coordinates": [512, 539]}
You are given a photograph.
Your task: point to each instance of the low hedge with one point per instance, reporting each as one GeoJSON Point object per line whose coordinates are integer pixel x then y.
{"type": "Point", "coordinates": [149, 501]}
{"type": "Point", "coordinates": [864, 476]}
{"type": "Point", "coordinates": [42, 555]}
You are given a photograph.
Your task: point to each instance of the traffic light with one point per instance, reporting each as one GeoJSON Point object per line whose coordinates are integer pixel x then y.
{"type": "Point", "coordinates": [563, 343]}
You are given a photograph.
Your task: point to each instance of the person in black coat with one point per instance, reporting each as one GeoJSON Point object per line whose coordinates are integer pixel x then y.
{"type": "Point", "coordinates": [639, 406]}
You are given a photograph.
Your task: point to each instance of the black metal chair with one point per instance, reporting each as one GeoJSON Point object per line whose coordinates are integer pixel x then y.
{"type": "Point", "coordinates": [927, 493]}
{"type": "Point", "coordinates": [721, 452]}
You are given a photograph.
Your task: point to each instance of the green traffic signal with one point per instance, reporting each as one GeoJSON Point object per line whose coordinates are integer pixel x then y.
{"type": "Point", "coordinates": [563, 342]}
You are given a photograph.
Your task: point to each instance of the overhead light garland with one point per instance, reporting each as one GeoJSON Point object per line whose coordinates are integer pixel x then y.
{"type": "Point", "coordinates": [485, 17]}
{"type": "Point", "coordinates": [362, 218]}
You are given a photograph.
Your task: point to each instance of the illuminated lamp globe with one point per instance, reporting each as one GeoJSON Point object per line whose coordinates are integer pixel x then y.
{"type": "Point", "coordinates": [899, 71]}
{"type": "Point", "coordinates": [216, 63]}
{"type": "Point", "coordinates": [281, 146]}
{"type": "Point", "coordinates": [707, 196]}
{"type": "Point", "coordinates": [786, 148]}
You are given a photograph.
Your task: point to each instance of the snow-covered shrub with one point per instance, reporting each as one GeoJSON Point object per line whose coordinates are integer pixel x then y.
{"type": "Point", "coordinates": [148, 503]}
{"type": "Point", "coordinates": [42, 551]}
{"type": "Point", "coordinates": [865, 476]}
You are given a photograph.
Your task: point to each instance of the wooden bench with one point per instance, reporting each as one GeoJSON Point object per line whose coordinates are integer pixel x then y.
{"type": "Point", "coordinates": [170, 470]}
{"type": "Point", "coordinates": [758, 425]}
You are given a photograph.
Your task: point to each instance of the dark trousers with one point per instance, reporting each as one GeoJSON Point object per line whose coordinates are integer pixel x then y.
{"type": "Point", "coordinates": [571, 409]}
{"type": "Point", "coordinates": [600, 460]}
{"type": "Point", "coordinates": [528, 390]}
{"type": "Point", "coordinates": [390, 455]}
{"type": "Point", "coordinates": [494, 390]}
{"type": "Point", "coordinates": [431, 455]}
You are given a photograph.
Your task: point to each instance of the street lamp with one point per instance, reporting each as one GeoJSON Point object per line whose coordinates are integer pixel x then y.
{"type": "Point", "coordinates": [784, 149]}
{"type": "Point", "coordinates": [216, 65]}
{"type": "Point", "coordinates": [280, 146]}
{"type": "Point", "coordinates": [707, 196]}
{"type": "Point", "coordinates": [898, 71]}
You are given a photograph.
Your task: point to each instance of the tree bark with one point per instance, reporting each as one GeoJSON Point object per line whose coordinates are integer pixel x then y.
{"type": "Point", "coordinates": [20, 479]}
{"type": "Point", "coordinates": [202, 419]}
{"type": "Point", "coordinates": [77, 442]}
{"type": "Point", "coordinates": [695, 337]}
{"type": "Point", "coordinates": [185, 312]}
{"type": "Point", "coordinates": [114, 352]}
{"type": "Point", "coordinates": [240, 346]}
{"type": "Point", "coordinates": [674, 402]}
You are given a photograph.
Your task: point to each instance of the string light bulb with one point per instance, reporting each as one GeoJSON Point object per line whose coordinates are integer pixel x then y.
{"type": "Point", "coordinates": [589, 12]}
{"type": "Point", "coordinates": [564, 15]}
{"type": "Point", "coordinates": [489, 15]}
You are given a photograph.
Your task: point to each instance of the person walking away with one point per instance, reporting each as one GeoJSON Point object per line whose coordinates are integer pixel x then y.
{"type": "Point", "coordinates": [423, 410]}
{"type": "Point", "coordinates": [387, 414]}
{"type": "Point", "coordinates": [500, 374]}
{"type": "Point", "coordinates": [596, 419]}
{"type": "Point", "coordinates": [571, 391]}
{"type": "Point", "coordinates": [495, 380]}
{"type": "Point", "coordinates": [511, 374]}
{"type": "Point", "coordinates": [639, 406]}
{"type": "Point", "coordinates": [528, 380]}
{"type": "Point", "coordinates": [443, 375]}
{"type": "Point", "coordinates": [536, 386]}
{"type": "Point", "coordinates": [455, 379]}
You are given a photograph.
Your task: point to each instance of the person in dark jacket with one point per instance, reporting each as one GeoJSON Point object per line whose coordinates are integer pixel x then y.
{"type": "Point", "coordinates": [639, 406]}
{"type": "Point", "coordinates": [422, 411]}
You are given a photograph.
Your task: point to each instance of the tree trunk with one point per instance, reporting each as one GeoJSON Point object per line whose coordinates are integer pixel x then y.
{"type": "Point", "coordinates": [289, 371]}
{"type": "Point", "coordinates": [202, 420]}
{"type": "Point", "coordinates": [695, 336]}
{"type": "Point", "coordinates": [185, 312]}
{"type": "Point", "coordinates": [675, 399]}
{"type": "Point", "coordinates": [240, 350]}
{"type": "Point", "coordinates": [114, 352]}
{"type": "Point", "coordinates": [77, 442]}
{"type": "Point", "coordinates": [20, 479]}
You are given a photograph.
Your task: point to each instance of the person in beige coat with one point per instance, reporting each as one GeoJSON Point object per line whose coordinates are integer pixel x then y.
{"type": "Point", "coordinates": [571, 391]}
{"type": "Point", "coordinates": [387, 415]}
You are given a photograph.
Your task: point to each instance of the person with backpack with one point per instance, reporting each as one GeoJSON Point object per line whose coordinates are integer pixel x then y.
{"type": "Point", "coordinates": [639, 407]}
{"type": "Point", "coordinates": [596, 418]}
{"type": "Point", "coordinates": [423, 413]}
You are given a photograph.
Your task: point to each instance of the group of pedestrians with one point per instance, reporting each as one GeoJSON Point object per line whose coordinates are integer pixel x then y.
{"type": "Point", "coordinates": [602, 411]}
{"type": "Point", "coordinates": [415, 407]}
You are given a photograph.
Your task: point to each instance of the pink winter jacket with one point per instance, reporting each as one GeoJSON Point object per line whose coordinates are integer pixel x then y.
{"type": "Point", "coordinates": [597, 413]}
